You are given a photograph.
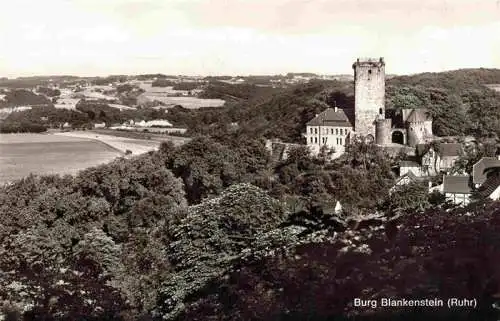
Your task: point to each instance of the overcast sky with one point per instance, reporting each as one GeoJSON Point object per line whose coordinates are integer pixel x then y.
{"type": "Point", "coordinates": [201, 37]}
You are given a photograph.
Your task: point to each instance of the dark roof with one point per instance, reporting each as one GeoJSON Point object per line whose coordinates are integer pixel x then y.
{"type": "Point", "coordinates": [479, 168]}
{"type": "Point", "coordinates": [409, 163]}
{"type": "Point", "coordinates": [418, 115]}
{"type": "Point", "coordinates": [489, 186]}
{"type": "Point", "coordinates": [330, 117]}
{"type": "Point", "coordinates": [450, 149]}
{"type": "Point", "coordinates": [456, 184]}
{"type": "Point", "coordinates": [422, 149]}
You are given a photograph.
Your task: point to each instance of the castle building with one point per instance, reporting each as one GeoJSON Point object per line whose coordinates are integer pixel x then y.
{"type": "Point", "coordinates": [330, 129]}
{"type": "Point", "coordinates": [333, 128]}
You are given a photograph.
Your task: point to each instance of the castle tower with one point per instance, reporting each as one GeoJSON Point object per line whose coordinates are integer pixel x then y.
{"type": "Point", "coordinates": [369, 94]}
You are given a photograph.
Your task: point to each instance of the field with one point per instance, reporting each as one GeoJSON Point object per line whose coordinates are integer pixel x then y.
{"type": "Point", "coordinates": [67, 103]}
{"type": "Point", "coordinates": [495, 87]}
{"type": "Point", "coordinates": [69, 152]}
{"type": "Point", "coordinates": [164, 94]}
{"type": "Point", "coordinates": [22, 154]}
{"type": "Point", "coordinates": [120, 144]}
{"type": "Point", "coordinates": [187, 102]}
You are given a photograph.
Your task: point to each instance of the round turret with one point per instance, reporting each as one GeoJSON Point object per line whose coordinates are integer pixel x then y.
{"type": "Point", "coordinates": [383, 131]}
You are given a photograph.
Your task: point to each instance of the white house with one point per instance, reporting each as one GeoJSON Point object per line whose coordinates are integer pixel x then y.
{"type": "Point", "coordinates": [457, 189]}
{"type": "Point", "coordinates": [329, 129]}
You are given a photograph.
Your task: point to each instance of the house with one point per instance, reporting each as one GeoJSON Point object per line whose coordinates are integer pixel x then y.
{"type": "Point", "coordinates": [429, 159]}
{"type": "Point", "coordinates": [410, 166]}
{"type": "Point", "coordinates": [329, 129]}
{"type": "Point", "coordinates": [490, 188]}
{"type": "Point", "coordinates": [457, 189]}
{"type": "Point", "coordinates": [405, 179]}
{"type": "Point", "coordinates": [479, 169]}
{"type": "Point", "coordinates": [449, 152]}
{"type": "Point", "coordinates": [410, 178]}
{"type": "Point", "coordinates": [441, 160]}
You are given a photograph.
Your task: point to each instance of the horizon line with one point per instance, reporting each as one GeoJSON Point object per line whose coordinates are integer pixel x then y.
{"type": "Point", "coordinates": [3, 78]}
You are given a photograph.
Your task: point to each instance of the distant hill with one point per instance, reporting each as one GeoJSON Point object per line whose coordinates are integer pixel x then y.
{"type": "Point", "coordinates": [456, 79]}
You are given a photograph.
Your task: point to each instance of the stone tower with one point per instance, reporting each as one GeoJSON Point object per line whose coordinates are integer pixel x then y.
{"type": "Point", "coordinates": [369, 95]}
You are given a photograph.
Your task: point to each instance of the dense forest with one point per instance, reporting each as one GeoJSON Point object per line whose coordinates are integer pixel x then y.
{"type": "Point", "coordinates": [217, 229]}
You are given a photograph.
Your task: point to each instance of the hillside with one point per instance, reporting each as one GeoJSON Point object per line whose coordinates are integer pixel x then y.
{"type": "Point", "coordinates": [457, 80]}
{"type": "Point", "coordinates": [459, 102]}
{"type": "Point", "coordinates": [209, 231]}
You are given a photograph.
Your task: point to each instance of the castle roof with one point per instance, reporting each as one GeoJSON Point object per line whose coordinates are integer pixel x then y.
{"type": "Point", "coordinates": [479, 168]}
{"type": "Point", "coordinates": [456, 184]}
{"type": "Point", "coordinates": [336, 117]}
{"type": "Point", "coordinates": [418, 115]}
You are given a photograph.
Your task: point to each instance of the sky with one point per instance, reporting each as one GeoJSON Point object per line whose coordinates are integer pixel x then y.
{"type": "Point", "coordinates": [242, 37]}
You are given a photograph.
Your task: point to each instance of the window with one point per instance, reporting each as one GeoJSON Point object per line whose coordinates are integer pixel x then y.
{"type": "Point", "coordinates": [311, 130]}
{"type": "Point", "coordinates": [369, 71]}
{"type": "Point", "coordinates": [315, 140]}
{"type": "Point", "coordinates": [323, 140]}
{"type": "Point", "coordinates": [337, 141]}
{"type": "Point", "coordinates": [336, 131]}
{"type": "Point", "coordinates": [311, 140]}
{"type": "Point", "coordinates": [341, 131]}
{"type": "Point", "coordinates": [340, 140]}
{"type": "Point", "coordinates": [315, 130]}
{"type": "Point", "coordinates": [331, 131]}
{"type": "Point", "coordinates": [380, 111]}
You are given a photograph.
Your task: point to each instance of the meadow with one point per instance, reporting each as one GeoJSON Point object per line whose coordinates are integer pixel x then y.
{"type": "Point", "coordinates": [187, 102]}
{"type": "Point", "coordinates": [165, 95]}
{"type": "Point", "coordinates": [22, 154]}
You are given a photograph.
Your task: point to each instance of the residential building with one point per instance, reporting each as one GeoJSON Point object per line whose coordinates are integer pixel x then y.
{"type": "Point", "coordinates": [490, 188]}
{"type": "Point", "coordinates": [329, 129]}
{"type": "Point", "coordinates": [457, 189]}
{"type": "Point", "coordinates": [435, 161]}
{"type": "Point", "coordinates": [410, 166]}
{"type": "Point", "coordinates": [479, 169]}
{"type": "Point", "coordinates": [409, 178]}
